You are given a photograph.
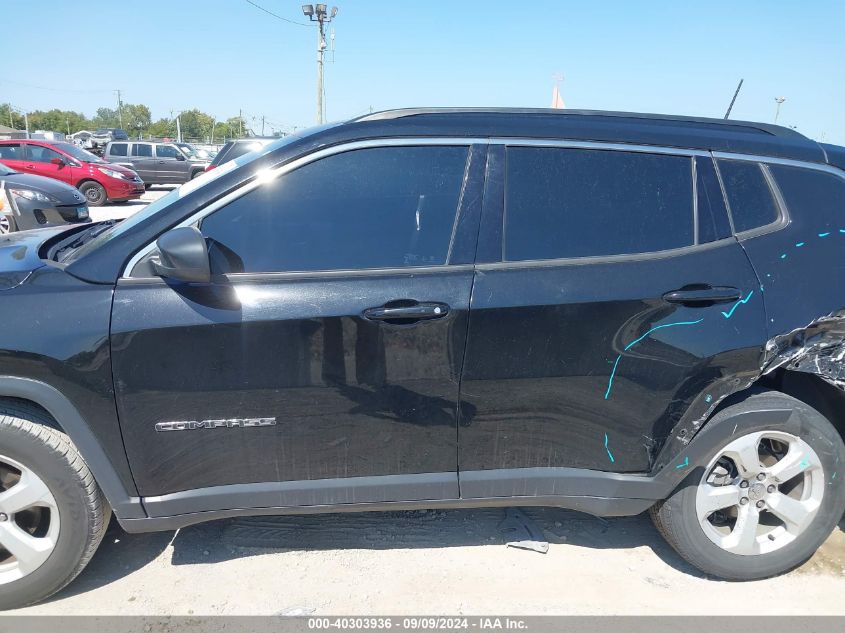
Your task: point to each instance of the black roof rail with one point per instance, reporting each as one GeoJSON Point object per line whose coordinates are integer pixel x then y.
{"type": "Point", "coordinates": [767, 128]}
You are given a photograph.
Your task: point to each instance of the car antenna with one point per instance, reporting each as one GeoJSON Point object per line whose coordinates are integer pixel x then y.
{"type": "Point", "coordinates": [731, 107]}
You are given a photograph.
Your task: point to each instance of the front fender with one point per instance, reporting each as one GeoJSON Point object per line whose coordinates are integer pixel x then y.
{"type": "Point", "coordinates": [123, 504]}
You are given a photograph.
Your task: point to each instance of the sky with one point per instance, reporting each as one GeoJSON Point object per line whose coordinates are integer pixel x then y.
{"type": "Point", "coordinates": [222, 56]}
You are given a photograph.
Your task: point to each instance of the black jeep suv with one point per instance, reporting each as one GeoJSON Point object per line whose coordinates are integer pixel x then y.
{"type": "Point", "coordinates": [600, 311]}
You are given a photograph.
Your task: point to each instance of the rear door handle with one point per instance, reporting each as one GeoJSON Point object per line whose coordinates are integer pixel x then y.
{"type": "Point", "coordinates": [407, 312]}
{"type": "Point", "coordinates": [703, 296]}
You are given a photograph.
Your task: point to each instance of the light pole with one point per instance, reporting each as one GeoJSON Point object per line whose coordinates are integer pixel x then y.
{"type": "Point", "coordinates": [318, 13]}
{"type": "Point", "coordinates": [779, 101]}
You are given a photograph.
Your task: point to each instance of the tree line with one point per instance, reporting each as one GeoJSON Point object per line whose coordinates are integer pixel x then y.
{"type": "Point", "coordinates": [136, 120]}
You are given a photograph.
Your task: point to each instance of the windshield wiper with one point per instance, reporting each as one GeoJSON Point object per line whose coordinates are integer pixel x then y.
{"type": "Point", "coordinates": [83, 238]}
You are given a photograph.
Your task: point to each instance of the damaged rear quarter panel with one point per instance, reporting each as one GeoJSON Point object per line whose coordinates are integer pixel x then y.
{"type": "Point", "coordinates": [801, 269]}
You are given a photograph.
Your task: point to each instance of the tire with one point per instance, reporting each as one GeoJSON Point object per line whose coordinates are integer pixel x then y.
{"type": "Point", "coordinates": [7, 224]}
{"type": "Point", "coordinates": [197, 173]}
{"type": "Point", "coordinates": [147, 187]}
{"type": "Point", "coordinates": [94, 193]}
{"type": "Point", "coordinates": [710, 541]}
{"type": "Point", "coordinates": [27, 440]}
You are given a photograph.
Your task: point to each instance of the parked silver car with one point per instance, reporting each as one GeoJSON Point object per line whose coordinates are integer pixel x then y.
{"type": "Point", "coordinates": [157, 162]}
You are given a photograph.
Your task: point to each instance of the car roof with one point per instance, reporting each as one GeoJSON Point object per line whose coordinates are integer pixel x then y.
{"type": "Point", "coordinates": [255, 139]}
{"type": "Point", "coordinates": [29, 141]}
{"type": "Point", "coordinates": [135, 140]}
{"type": "Point", "coordinates": [689, 132]}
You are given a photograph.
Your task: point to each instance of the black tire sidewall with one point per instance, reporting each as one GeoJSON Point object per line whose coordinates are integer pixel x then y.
{"type": "Point", "coordinates": [74, 517]}
{"type": "Point", "coordinates": [103, 198]}
{"type": "Point", "coordinates": [679, 511]}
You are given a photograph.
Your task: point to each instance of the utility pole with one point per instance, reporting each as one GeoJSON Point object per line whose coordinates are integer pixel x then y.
{"type": "Point", "coordinates": [119, 109]}
{"type": "Point", "coordinates": [318, 13]}
{"type": "Point", "coordinates": [241, 123]}
{"type": "Point", "coordinates": [26, 122]}
{"type": "Point", "coordinates": [262, 125]}
{"type": "Point", "coordinates": [178, 128]}
{"type": "Point", "coordinates": [779, 101]}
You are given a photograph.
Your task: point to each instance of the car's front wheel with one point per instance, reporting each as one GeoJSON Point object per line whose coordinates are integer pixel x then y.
{"type": "Point", "coordinates": [94, 193]}
{"type": "Point", "coordinates": [7, 223]}
{"type": "Point", "coordinates": [52, 514]}
{"type": "Point", "coordinates": [768, 497]}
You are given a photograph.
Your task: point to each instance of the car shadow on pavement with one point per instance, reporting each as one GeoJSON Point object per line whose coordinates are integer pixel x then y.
{"type": "Point", "coordinates": [119, 555]}
{"type": "Point", "coordinates": [434, 529]}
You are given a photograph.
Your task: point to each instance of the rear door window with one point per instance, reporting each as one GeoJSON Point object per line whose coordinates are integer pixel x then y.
{"type": "Point", "coordinates": [814, 193]}
{"type": "Point", "coordinates": [142, 149]}
{"type": "Point", "coordinates": [566, 202]}
{"type": "Point", "coordinates": [750, 199]}
{"type": "Point", "coordinates": [386, 207]}
{"type": "Point", "coordinates": [713, 222]}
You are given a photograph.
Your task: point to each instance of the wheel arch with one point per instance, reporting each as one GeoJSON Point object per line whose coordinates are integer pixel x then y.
{"type": "Point", "coordinates": [68, 420]}
{"type": "Point", "coordinates": [85, 179]}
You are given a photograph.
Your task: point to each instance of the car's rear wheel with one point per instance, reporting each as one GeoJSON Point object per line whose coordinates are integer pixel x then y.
{"type": "Point", "coordinates": [94, 193]}
{"type": "Point", "coordinates": [767, 498]}
{"type": "Point", "coordinates": [52, 514]}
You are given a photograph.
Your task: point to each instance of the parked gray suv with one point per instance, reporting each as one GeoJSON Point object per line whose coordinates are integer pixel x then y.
{"type": "Point", "coordinates": [156, 162]}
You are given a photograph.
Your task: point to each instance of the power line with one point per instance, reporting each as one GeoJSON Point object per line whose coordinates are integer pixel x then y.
{"type": "Point", "coordinates": [276, 16]}
{"type": "Point", "coordinates": [26, 85]}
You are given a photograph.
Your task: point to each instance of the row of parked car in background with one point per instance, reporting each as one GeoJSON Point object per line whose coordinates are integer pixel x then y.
{"type": "Point", "coordinates": [94, 168]}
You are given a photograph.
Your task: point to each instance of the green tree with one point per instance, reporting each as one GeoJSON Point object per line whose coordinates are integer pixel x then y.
{"type": "Point", "coordinates": [55, 120]}
{"type": "Point", "coordinates": [136, 118]}
{"type": "Point", "coordinates": [10, 117]}
{"type": "Point", "coordinates": [196, 124]}
{"type": "Point", "coordinates": [163, 128]}
{"type": "Point", "coordinates": [106, 117]}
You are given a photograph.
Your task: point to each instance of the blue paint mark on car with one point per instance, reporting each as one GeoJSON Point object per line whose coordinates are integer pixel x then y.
{"type": "Point", "coordinates": [728, 314]}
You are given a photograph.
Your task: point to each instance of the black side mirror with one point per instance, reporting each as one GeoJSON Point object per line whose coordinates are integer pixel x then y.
{"type": "Point", "coordinates": [180, 156]}
{"type": "Point", "coordinates": [183, 255]}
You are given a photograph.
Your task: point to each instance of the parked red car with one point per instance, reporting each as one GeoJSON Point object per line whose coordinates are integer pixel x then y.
{"type": "Point", "coordinates": [97, 180]}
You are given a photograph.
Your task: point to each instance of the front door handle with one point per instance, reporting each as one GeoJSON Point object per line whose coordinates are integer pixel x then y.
{"type": "Point", "coordinates": [401, 312]}
{"type": "Point", "coordinates": [703, 296]}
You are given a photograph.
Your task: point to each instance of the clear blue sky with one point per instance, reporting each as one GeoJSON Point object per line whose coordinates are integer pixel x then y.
{"type": "Point", "coordinates": [221, 55]}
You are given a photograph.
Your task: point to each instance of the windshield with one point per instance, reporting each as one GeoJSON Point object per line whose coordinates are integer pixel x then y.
{"type": "Point", "coordinates": [173, 196]}
{"type": "Point", "coordinates": [5, 171]}
{"type": "Point", "coordinates": [78, 153]}
{"type": "Point", "coordinates": [187, 149]}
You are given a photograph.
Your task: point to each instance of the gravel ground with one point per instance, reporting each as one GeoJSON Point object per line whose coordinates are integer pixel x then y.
{"type": "Point", "coordinates": [427, 562]}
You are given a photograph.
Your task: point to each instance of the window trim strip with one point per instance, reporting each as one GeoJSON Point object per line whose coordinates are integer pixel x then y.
{"type": "Point", "coordinates": [271, 173]}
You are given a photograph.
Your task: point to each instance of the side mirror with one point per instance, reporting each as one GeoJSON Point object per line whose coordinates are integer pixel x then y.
{"type": "Point", "coordinates": [180, 156]}
{"type": "Point", "coordinates": [183, 256]}
{"type": "Point", "coordinates": [57, 161]}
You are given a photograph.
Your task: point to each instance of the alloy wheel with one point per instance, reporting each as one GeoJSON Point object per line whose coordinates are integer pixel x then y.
{"type": "Point", "coordinates": [29, 521]}
{"type": "Point", "coordinates": [5, 224]}
{"type": "Point", "coordinates": [760, 493]}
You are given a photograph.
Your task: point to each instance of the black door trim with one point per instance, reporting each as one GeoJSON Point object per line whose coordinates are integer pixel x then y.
{"type": "Point", "coordinates": [306, 493]}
